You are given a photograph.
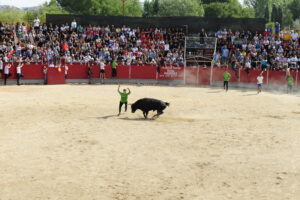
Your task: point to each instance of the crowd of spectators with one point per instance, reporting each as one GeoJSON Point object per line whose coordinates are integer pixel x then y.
{"type": "Point", "coordinates": [73, 43]}
{"type": "Point", "coordinates": [264, 50]}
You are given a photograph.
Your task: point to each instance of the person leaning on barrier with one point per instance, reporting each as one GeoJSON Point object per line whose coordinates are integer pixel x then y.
{"type": "Point", "coordinates": [7, 73]}
{"type": "Point", "coordinates": [290, 83]}
{"type": "Point", "coordinates": [19, 72]}
{"type": "Point", "coordinates": [45, 71]}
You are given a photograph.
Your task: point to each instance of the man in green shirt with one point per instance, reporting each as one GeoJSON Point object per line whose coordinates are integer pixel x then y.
{"type": "Point", "coordinates": [226, 77]}
{"type": "Point", "coordinates": [290, 83]}
{"type": "Point", "coordinates": [114, 68]}
{"type": "Point", "coordinates": [124, 98]}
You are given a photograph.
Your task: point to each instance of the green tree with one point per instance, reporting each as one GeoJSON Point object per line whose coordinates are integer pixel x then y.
{"type": "Point", "coordinates": [102, 7]}
{"type": "Point", "coordinates": [155, 7]}
{"type": "Point", "coordinates": [267, 13]}
{"type": "Point", "coordinates": [180, 8]}
{"type": "Point", "coordinates": [214, 1]}
{"type": "Point", "coordinates": [294, 8]}
{"type": "Point", "coordinates": [11, 15]}
{"type": "Point", "coordinates": [148, 8]}
{"type": "Point", "coordinates": [49, 8]}
{"type": "Point", "coordinates": [231, 9]}
{"type": "Point", "coordinates": [259, 6]}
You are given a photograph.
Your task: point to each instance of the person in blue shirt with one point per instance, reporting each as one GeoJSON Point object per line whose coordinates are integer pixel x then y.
{"type": "Point", "coordinates": [225, 53]}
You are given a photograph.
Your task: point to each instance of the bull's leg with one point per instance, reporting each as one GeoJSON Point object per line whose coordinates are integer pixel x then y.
{"type": "Point", "coordinates": [145, 114]}
{"type": "Point", "coordinates": [159, 112]}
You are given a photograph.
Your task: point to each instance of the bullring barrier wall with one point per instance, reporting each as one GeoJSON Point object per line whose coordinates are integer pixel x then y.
{"type": "Point", "coordinates": [191, 76]}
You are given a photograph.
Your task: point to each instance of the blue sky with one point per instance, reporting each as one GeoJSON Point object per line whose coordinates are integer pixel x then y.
{"type": "Point", "coordinates": [28, 3]}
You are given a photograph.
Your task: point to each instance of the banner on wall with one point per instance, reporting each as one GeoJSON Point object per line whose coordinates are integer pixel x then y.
{"type": "Point", "coordinates": [171, 73]}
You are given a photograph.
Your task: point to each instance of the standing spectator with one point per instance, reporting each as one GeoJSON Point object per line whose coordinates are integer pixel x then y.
{"type": "Point", "coordinates": [161, 63]}
{"type": "Point", "coordinates": [66, 71]}
{"type": "Point", "coordinates": [225, 53]}
{"type": "Point", "coordinates": [290, 83]}
{"type": "Point", "coordinates": [36, 23]}
{"type": "Point", "coordinates": [1, 67]}
{"type": "Point", "coordinates": [260, 80]}
{"type": "Point", "coordinates": [74, 25]}
{"type": "Point", "coordinates": [202, 35]}
{"type": "Point", "coordinates": [90, 73]}
{"type": "Point", "coordinates": [7, 74]}
{"type": "Point", "coordinates": [247, 67]}
{"type": "Point", "coordinates": [294, 35]}
{"type": "Point", "coordinates": [277, 29]}
{"type": "Point", "coordinates": [226, 77]}
{"type": "Point", "coordinates": [45, 71]}
{"type": "Point", "coordinates": [19, 72]}
{"type": "Point", "coordinates": [102, 70]}
{"type": "Point", "coordinates": [114, 68]}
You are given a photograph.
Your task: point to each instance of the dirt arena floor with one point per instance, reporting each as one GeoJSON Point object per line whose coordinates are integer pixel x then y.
{"type": "Point", "coordinates": [66, 143]}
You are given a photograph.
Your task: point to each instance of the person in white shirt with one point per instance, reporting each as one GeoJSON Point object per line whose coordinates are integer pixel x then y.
{"type": "Point", "coordinates": [295, 35]}
{"type": "Point", "coordinates": [260, 80]}
{"type": "Point", "coordinates": [74, 25]}
{"type": "Point", "coordinates": [36, 23]}
{"type": "Point", "coordinates": [6, 72]}
{"type": "Point", "coordinates": [19, 72]}
{"type": "Point", "coordinates": [102, 70]}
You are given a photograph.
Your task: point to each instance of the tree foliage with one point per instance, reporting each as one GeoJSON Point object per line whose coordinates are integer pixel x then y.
{"type": "Point", "coordinates": [102, 7]}
{"type": "Point", "coordinates": [180, 8]}
{"type": "Point", "coordinates": [294, 8]}
{"type": "Point", "coordinates": [11, 15]}
{"type": "Point", "coordinates": [231, 8]}
{"type": "Point", "coordinates": [163, 8]}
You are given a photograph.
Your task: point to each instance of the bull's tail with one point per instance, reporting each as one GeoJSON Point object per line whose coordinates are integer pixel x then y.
{"type": "Point", "coordinates": [168, 104]}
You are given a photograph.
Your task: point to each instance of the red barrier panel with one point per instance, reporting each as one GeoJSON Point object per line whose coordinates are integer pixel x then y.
{"type": "Point", "coordinates": [252, 76]}
{"type": "Point", "coordinates": [277, 78]}
{"type": "Point", "coordinates": [191, 75]}
{"type": "Point", "coordinates": [33, 71]}
{"type": "Point", "coordinates": [143, 72]}
{"type": "Point", "coordinates": [123, 71]}
{"type": "Point", "coordinates": [95, 71]}
{"type": "Point", "coordinates": [171, 73]}
{"type": "Point", "coordinates": [77, 71]}
{"type": "Point", "coordinates": [218, 74]}
{"type": "Point", "coordinates": [55, 76]}
{"type": "Point", "coordinates": [234, 76]}
{"type": "Point", "coordinates": [194, 76]}
{"type": "Point", "coordinates": [204, 76]}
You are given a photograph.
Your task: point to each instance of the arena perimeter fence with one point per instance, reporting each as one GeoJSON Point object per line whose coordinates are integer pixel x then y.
{"type": "Point", "coordinates": [196, 76]}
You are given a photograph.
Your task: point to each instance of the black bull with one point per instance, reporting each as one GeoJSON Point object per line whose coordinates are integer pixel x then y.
{"type": "Point", "coordinates": [147, 104]}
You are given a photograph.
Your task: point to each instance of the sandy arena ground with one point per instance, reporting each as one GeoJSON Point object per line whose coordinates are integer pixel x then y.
{"type": "Point", "coordinates": [66, 143]}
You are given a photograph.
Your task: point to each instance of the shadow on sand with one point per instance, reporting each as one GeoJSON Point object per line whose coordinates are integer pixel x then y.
{"type": "Point", "coordinates": [137, 119]}
{"type": "Point", "coordinates": [215, 92]}
{"type": "Point", "coordinates": [107, 116]}
{"type": "Point", "coordinates": [250, 94]}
